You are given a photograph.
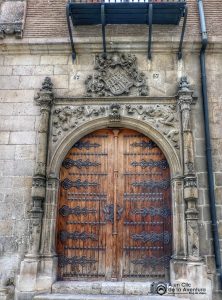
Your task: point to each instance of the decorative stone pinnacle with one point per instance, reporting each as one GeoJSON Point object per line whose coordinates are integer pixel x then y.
{"type": "Point", "coordinates": [47, 85]}
{"type": "Point", "coordinates": [44, 96]}
{"type": "Point", "coordinates": [184, 84]}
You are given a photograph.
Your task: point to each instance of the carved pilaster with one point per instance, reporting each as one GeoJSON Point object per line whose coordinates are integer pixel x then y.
{"type": "Point", "coordinates": [44, 100]}
{"type": "Point", "coordinates": [185, 99]}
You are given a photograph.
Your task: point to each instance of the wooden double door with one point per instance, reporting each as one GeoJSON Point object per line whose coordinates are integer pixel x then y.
{"type": "Point", "coordinates": [114, 212]}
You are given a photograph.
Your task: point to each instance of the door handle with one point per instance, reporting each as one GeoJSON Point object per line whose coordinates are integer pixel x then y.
{"type": "Point", "coordinates": [109, 213]}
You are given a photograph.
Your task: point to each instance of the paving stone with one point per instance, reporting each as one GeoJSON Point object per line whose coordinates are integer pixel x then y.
{"type": "Point", "coordinates": [137, 288]}
{"type": "Point", "coordinates": [115, 288]}
{"type": "Point", "coordinates": [102, 297]}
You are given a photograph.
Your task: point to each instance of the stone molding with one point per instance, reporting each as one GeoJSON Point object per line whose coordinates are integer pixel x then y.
{"type": "Point", "coordinates": [163, 117]}
{"type": "Point", "coordinates": [12, 18]}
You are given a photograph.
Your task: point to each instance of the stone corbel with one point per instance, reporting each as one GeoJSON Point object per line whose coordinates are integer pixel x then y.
{"type": "Point", "coordinates": [44, 99]}
{"type": "Point", "coordinates": [12, 18]}
{"type": "Point", "coordinates": [185, 99]}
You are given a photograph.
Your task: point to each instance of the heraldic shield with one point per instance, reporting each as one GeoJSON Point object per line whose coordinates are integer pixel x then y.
{"type": "Point", "coordinates": [116, 75]}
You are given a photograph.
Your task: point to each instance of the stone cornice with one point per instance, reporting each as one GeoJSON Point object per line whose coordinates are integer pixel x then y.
{"type": "Point", "coordinates": [163, 45]}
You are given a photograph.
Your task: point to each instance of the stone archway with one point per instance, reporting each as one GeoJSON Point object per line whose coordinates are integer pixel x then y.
{"type": "Point", "coordinates": [167, 126]}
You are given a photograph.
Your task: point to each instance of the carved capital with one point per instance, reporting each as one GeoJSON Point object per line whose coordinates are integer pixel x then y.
{"type": "Point", "coordinates": [38, 187]}
{"type": "Point", "coordinates": [44, 97]}
{"type": "Point", "coordinates": [185, 95]}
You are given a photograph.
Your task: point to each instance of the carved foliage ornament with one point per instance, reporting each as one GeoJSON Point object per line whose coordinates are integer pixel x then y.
{"type": "Point", "coordinates": [116, 75]}
{"type": "Point", "coordinates": [162, 117]}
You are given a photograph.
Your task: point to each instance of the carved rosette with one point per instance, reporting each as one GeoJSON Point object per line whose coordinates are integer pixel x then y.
{"type": "Point", "coordinates": [184, 100]}
{"type": "Point", "coordinates": [116, 75]}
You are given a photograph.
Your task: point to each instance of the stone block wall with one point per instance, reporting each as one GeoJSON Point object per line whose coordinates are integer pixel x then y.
{"type": "Point", "coordinates": [20, 77]}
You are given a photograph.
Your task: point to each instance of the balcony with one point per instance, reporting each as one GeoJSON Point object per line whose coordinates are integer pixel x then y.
{"type": "Point", "coordinates": [103, 12]}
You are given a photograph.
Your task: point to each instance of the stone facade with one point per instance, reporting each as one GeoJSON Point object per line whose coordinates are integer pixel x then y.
{"type": "Point", "coordinates": [29, 169]}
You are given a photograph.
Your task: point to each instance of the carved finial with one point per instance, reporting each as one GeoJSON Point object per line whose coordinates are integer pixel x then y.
{"type": "Point", "coordinates": [44, 96]}
{"type": "Point", "coordinates": [184, 84]}
{"type": "Point", "coordinates": [47, 84]}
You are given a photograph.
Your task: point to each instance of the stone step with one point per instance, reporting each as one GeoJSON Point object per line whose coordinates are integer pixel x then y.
{"type": "Point", "coordinates": [102, 287]}
{"type": "Point", "coordinates": [103, 297]}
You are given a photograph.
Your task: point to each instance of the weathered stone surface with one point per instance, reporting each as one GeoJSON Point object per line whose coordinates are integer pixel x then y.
{"type": "Point", "coordinates": [137, 288]}
{"type": "Point", "coordinates": [4, 137]}
{"type": "Point", "coordinates": [16, 95]}
{"type": "Point", "coordinates": [218, 179]}
{"type": "Point", "coordinates": [81, 287]}
{"type": "Point", "coordinates": [112, 288]}
{"type": "Point", "coordinates": [16, 123]}
{"type": "Point", "coordinates": [24, 138]}
{"type": "Point", "coordinates": [21, 60]}
{"type": "Point", "coordinates": [6, 109]}
{"type": "Point", "coordinates": [7, 152]}
{"type": "Point", "coordinates": [32, 70]}
{"type": "Point", "coordinates": [25, 152]}
{"type": "Point", "coordinates": [61, 70]}
{"type": "Point", "coordinates": [5, 70]}
{"type": "Point", "coordinates": [54, 60]}
{"type": "Point", "coordinates": [9, 82]}
{"type": "Point", "coordinates": [102, 297]}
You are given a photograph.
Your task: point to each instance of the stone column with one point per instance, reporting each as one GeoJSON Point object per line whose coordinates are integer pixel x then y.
{"type": "Point", "coordinates": [29, 267]}
{"type": "Point", "coordinates": [44, 99]}
{"type": "Point", "coordinates": [185, 99]}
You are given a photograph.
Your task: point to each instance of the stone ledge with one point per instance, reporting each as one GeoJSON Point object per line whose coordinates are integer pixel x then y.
{"type": "Point", "coordinates": [57, 46]}
{"type": "Point", "coordinates": [102, 297]}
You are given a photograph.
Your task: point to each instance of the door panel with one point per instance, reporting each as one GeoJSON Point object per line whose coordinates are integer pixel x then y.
{"type": "Point", "coordinates": [114, 212]}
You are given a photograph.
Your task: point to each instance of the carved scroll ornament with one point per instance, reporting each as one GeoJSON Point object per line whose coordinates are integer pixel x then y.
{"type": "Point", "coordinates": [163, 117]}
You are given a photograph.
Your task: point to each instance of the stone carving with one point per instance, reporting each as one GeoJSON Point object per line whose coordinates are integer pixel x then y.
{"type": "Point", "coordinates": [68, 117]}
{"type": "Point", "coordinates": [114, 115]}
{"type": "Point", "coordinates": [190, 182]}
{"type": "Point", "coordinates": [12, 18]}
{"type": "Point", "coordinates": [116, 75]}
{"type": "Point", "coordinates": [163, 117]}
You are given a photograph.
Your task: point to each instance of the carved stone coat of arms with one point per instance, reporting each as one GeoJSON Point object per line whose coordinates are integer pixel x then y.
{"type": "Point", "coordinates": [116, 75]}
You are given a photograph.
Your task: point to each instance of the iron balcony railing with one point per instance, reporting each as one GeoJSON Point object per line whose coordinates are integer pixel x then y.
{"type": "Point", "coordinates": [103, 12]}
{"type": "Point", "coordinates": [127, 1]}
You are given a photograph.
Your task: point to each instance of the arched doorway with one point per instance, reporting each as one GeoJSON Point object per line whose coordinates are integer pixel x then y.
{"type": "Point", "coordinates": [114, 211]}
